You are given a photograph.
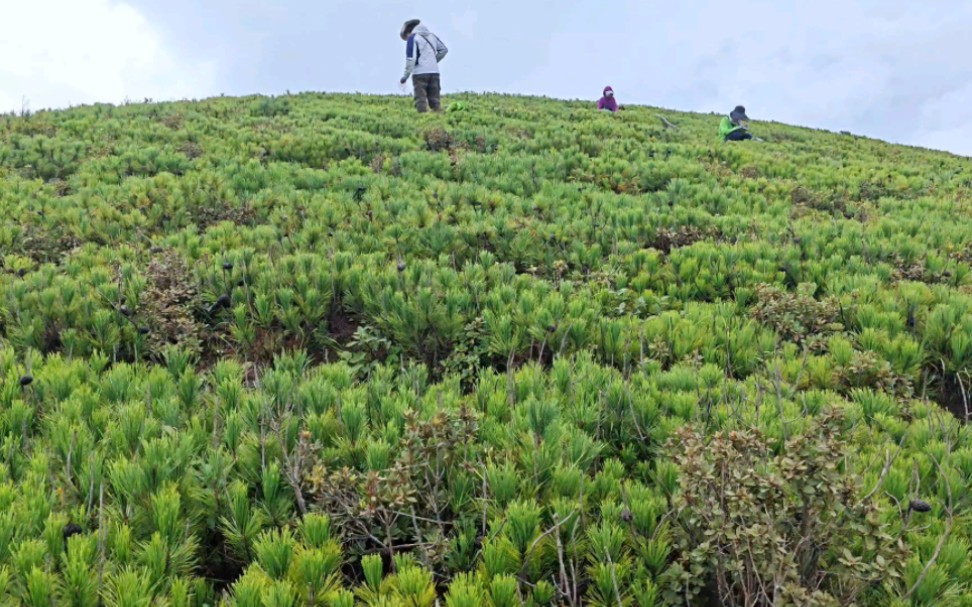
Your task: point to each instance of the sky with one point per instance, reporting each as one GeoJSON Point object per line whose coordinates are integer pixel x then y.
{"type": "Point", "coordinates": [892, 69]}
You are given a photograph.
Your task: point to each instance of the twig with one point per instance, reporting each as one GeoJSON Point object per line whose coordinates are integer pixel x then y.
{"type": "Point", "coordinates": [510, 381]}
{"type": "Point", "coordinates": [948, 527]}
{"type": "Point", "coordinates": [68, 463]}
{"type": "Point", "coordinates": [777, 382]}
{"type": "Point", "coordinates": [536, 542]}
{"type": "Point", "coordinates": [575, 590]}
{"type": "Point", "coordinates": [634, 418]}
{"type": "Point", "coordinates": [564, 584]}
{"type": "Point", "coordinates": [91, 467]}
{"type": "Point", "coordinates": [614, 577]}
{"type": "Point", "coordinates": [888, 460]}
{"type": "Point", "coordinates": [102, 537]}
{"type": "Point", "coordinates": [965, 395]}
{"type": "Point", "coordinates": [666, 122]}
{"type": "Point", "coordinates": [485, 503]}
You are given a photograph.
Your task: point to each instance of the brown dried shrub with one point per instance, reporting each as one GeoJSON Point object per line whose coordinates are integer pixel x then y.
{"type": "Point", "coordinates": [167, 310]}
{"type": "Point", "coordinates": [438, 139]}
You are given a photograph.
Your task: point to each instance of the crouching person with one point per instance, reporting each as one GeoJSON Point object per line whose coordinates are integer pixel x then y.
{"type": "Point", "coordinates": [735, 127]}
{"type": "Point", "coordinates": [423, 52]}
{"type": "Point", "coordinates": [607, 102]}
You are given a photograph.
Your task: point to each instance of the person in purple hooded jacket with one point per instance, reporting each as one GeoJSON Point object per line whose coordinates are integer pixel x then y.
{"type": "Point", "coordinates": [608, 102]}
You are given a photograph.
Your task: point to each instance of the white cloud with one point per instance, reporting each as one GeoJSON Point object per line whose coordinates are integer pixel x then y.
{"type": "Point", "coordinates": [56, 53]}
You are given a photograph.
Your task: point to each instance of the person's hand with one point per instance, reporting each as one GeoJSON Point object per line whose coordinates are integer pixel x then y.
{"type": "Point", "coordinates": [403, 80]}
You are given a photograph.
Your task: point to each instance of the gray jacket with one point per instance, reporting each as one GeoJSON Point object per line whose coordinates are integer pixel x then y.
{"type": "Point", "coordinates": [423, 52]}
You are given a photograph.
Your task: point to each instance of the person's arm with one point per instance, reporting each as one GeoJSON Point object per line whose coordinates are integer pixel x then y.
{"type": "Point", "coordinates": [411, 49]}
{"type": "Point", "coordinates": [441, 50]}
{"type": "Point", "coordinates": [600, 103]}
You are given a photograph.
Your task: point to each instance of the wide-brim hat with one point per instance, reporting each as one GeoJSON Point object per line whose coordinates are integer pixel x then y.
{"type": "Point", "coordinates": [408, 27]}
{"type": "Point", "coordinates": [739, 114]}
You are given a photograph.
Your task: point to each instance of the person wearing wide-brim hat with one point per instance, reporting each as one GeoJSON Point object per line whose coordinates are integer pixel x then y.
{"type": "Point", "coordinates": [735, 127]}
{"type": "Point", "coordinates": [423, 52]}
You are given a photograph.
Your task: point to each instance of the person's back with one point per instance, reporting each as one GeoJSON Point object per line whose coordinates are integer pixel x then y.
{"type": "Point", "coordinates": [423, 52]}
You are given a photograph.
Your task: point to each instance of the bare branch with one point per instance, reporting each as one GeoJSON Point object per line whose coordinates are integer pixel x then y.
{"type": "Point", "coordinates": [889, 459]}
{"type": "Point", "coordinates": [666, 122]}
{"type": "Point", "coordinates": [948, 525]}
{"type": "Point", "coordinates": [614, 578]}
{"type": "Point", "coordinates": [536, 542]}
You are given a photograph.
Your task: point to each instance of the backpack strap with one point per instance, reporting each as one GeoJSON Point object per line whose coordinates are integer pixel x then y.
{"type": "Point", "coordinates": [418, 52]}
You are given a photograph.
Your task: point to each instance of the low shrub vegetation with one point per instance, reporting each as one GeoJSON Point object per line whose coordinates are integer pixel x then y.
{"type": "Point", "coordinates": [318, 350]}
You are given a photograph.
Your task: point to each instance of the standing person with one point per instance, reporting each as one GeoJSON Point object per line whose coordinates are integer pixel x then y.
{"type": "Point", "coordinates": [423, 52]}
{"type": "Point", "coordinates": [735, 127]}
{"type": "Point", "coordinates": [608, 102]}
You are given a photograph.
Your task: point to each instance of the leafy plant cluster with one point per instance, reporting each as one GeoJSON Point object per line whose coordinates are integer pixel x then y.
{"type": "Point", "coordinates": [317, 350]}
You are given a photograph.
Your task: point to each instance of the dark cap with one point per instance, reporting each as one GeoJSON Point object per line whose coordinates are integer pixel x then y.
{"type": "Point", "coordinates": [408, 27]}
{"type": "Point", "coordinates": [738, 114]}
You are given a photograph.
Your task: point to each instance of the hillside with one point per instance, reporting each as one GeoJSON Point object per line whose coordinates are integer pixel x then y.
{"type": "Point", "coordinates": [320, 350]}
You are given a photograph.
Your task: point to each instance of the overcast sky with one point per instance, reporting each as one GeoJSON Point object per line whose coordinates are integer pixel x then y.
{"type": "Point", "coordinates": [894, 69]}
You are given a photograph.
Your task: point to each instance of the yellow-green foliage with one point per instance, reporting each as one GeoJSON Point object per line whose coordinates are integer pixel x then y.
{"type": "Point", "coordinates": [319, 350]}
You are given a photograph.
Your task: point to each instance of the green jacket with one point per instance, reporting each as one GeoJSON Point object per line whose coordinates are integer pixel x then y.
{"type": "Point", "coordinates": [727, 127]}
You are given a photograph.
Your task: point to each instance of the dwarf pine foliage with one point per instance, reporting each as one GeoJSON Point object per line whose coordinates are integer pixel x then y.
{"type": "Point", "coordinates": [319, 350]}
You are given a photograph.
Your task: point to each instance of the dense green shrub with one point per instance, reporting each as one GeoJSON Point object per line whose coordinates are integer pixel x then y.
{"type": "Point", "coordinates": [319, 350]}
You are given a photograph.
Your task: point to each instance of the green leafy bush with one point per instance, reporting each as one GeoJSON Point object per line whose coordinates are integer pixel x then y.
{"type": "Point", "coordinates": [756, 528]}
